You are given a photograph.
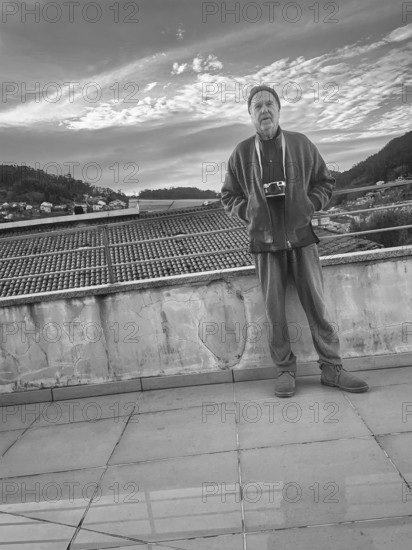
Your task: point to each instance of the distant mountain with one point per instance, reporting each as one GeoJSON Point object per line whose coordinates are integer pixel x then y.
{"type": "Point", "coordinates": [393, 160]}
{"type": "Point", "coordinates": [176, 193]}
{"type": "Point", "coordinates": [31, 185]}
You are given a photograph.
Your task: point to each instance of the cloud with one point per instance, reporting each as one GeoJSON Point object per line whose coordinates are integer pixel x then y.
{"type": "Point", "coordinates": [180, 32]}
{"type": "Point", "coordinates": [331, 93]}
{"type": "Point", "coordinates": [400, 34]}
{"type": "Point", "coordinates": [197, 64]}
{"type": "Point", "coordinates": [179, 69]}
{"type": "Point", "coordinates": [150, 86]}
{"type": "Point", "coordinates": [211, 63]}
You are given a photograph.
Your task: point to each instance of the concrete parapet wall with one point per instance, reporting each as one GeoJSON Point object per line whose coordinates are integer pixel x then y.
{"type": "Point", "coordinates": [206, 323]}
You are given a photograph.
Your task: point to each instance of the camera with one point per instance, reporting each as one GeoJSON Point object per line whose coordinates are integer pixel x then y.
{"type": "Point", "coordinates": [274, 189]}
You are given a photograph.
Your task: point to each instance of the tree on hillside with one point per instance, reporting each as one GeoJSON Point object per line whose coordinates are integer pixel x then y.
{"type": "Point", "coordinates": [383, 219]}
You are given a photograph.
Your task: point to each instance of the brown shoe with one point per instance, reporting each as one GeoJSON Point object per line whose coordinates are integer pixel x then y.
{"type": "Point", "coordinates": [285, 384]}
{"type": "Point", "coordinates": [336, 376]}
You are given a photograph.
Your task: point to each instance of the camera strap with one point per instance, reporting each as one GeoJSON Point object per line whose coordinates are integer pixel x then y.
{"type": "Point", "coordinates": [257, 147]}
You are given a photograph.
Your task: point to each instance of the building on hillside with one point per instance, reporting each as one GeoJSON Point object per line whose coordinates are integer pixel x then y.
{"type": "Point", "coordinates": [46, 207]}
{"type": "Point", "coordinates": [134, 203]}
{"type": "Point", "coordinates": [318, 221]}
{"type": "Point", "coordinates": [117, 204]}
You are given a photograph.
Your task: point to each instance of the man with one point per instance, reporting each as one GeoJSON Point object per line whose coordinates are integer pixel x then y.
{"type": "Point", "coordinates": [282, 240]}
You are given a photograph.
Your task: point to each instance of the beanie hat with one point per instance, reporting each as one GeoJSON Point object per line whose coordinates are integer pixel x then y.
{"type": "Point", "coordinates": [261, 88]}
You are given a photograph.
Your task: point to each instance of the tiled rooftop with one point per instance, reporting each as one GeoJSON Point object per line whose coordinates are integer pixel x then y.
{"type": "Point", "coordinates": [60, 257]}
{"type": "Point", "coordinates": [215, 467]}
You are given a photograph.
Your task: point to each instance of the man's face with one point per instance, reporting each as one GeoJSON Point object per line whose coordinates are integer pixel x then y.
{"type": "Point", "coordinates": [264, 112]}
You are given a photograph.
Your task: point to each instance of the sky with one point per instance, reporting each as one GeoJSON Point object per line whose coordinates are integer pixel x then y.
{"type": "Point", "coordinates": [153, 94]}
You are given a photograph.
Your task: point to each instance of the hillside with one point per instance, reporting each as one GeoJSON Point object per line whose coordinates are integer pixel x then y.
{"type": "Point", "coordinates": [393, 160]}
{"type": "Point", "coordinates": [26, 184]}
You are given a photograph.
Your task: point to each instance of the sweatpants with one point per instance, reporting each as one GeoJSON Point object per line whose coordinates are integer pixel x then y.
{"type": "Point", "coordinates": [303, 265]}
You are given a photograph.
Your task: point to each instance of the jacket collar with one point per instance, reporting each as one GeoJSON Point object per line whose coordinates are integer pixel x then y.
{"type": "Point", "coordinates": [276, 137]}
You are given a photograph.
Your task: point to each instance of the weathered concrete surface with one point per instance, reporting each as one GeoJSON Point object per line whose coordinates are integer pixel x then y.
{"type": "Point", "coordinates": [203, 326]}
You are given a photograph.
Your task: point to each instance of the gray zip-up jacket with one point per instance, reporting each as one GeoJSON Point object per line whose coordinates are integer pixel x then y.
{"type": "Point", "coordinates": [277, 224]}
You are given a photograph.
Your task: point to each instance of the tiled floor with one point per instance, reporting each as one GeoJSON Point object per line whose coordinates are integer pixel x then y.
{"type": "Point", "coordinates": [226, 467]}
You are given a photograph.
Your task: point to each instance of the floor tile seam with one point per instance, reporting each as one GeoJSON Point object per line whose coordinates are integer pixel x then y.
{"type": "Point", "coordinates": [117, 416]}
{"type": "Point", "coordinates": [390, 385]}
{"type": "Point", "coordinates": [14, 430]}
{"type": "Point", "coordinates": [133, 413]}
{"type": "Point", "coordinates": [14, 442]}
{"type": "Point", "coordinates": [236, 400]}
{"type": "Point", "coordinates": [184, 408]}
{"type": "Point", "coordinates": [80, 523]}
{"type": "Point", "coordinates": [156, 543]}
{"type": "Point", "coordinates": [179, 387]}
{"type": "Point", "coordinates": [294, 399]}
{"type": "Point", "coordinates": [334, 524]}
{"type": "Point", "coordinates": [392, 433]}
{"type": "Point", "coordinates": [242, 511]}
{"type": "Point", "coordinates": [93, 399]}
{"type": "Point", "coordinates": [98, 484]}
{"type": "Point", "coordinates": [31, 426]}
{"type": "Point", "coordinates": [214, 536]}
{"type": "Point", "coordinates": [92, 396]}
{"type": "Point", "coordinates": [301, 378]}
{"type": "Point", "coordinates": [178, 457]}
{"type": "Point", "coordinates": [54, 472]}
{"type": "Point", "coordinates": [36, 403]}
{"type": "Point", "coordinates": [47, 403]}
{"type": "Point", "coordinates": [119, 439]}
{"type": "Point", "coordinates": [114, 465]}
{"type": "Point", "coordinates": [316, 375]}
{"type": "Point", "coordinates": [357, 412]}
{"type": "Point", "coordinates": [307, 442]}
{"type": "Point", "coordinates": [127, 415]}
{"type": "Point", "coordinates": [408, 484]}
{"type": "Point", "coordinates": [240, 449]}
{"type": "Point", "coordinates": [75, 422]}
{"type": "Point", "coordinates": [35, 519]}
{"type": "Point", "coordinates": [375, 437]}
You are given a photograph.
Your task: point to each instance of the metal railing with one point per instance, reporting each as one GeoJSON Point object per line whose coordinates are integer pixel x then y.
{"type": "Point", "coordinates": [370, 210]}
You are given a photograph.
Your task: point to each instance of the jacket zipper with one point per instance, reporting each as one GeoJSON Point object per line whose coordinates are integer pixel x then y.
{"type": "Point", "coordinates": [269, 214]}
{"type": "Point", "coordinates": [268, 209]}
{"type": "Point", "coordinates": [288, 245]}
